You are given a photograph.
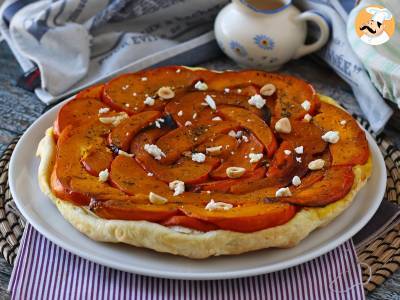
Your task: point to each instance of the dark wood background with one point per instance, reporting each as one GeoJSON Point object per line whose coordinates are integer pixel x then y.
{"type": "Point", "coordinates": [19, 108]}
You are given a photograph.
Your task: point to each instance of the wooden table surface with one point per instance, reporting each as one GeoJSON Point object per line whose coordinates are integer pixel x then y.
{"type": "Point", "coordinates": [19, 108]}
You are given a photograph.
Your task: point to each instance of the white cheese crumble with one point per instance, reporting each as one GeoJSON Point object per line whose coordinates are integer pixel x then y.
{"type": "Point", "coordinates": [317, 164]}
{"type": "Point", "coordinates": [299, 150]}
{"type": "Point", "coordinates": [212, 205]}
{"type": "Point", "coordinates": [201, 86]}
{"type": "Point", "coordinates": [298, 159]}
{"type": "Point", "coordinates": [255, 157]}
{"type": "Point", "coordinates": [306, 105]}
{"type": "Point", "coordinates": [103, 175]}
{"type": "Point", "coordinates": [144, 78]}
{"type": "Point", "coordinates": [215, 149]}
{"type": "Point", "coordinates": [283, 125]}
{"type": "Point", "coordinates": [307, 117]}
{"type": "Point", "coordinates": [331, 137]}
{"type": "Point", "coordinates": [283, 192]}
{"type": "Point", "coordinates": [296, 181]}
{"type": "Point", "coordinates": [287, 152]}
{"type": "Point", "coordinates": [180, 113]}
{"type": "Point", "coordinates": [245, 139]}
{"type": "Point", "coordinates": [226, 90]}
{"type": "Point", "coordinates": [343, 122]}
{"type": "Point", "coordinates": [188, 123]}
{"type": "Point", "coordinates": [177, 186]}
{"type": "Point", "coordinates": [239, 90]}
{"type": "Point", "coordinates": [198, 157]}
{"type": "Point", "coordinates": [157, 199]}
{"type": "Point", "coordinates": [114, 120]}
{"type": "Point", "coordinates": [268, 89]}
{"type": "Point", "coordinates": [216, 119]}
{"type": "Point", "coordinates": [149, 101]}
{"type": "Point", "coordinates": [178, 71]}
{"type": "Point", "coordinates": [257, 101]}
{"type": "Point", "coordinates": [165, 92]}
{"type": "Point", "coordinates": [154, 151]}
{"type": "Point", "coordinates": [150, 174]}
{"type": "Point", "coordinates": [125, 87]}
{"type": "Point", "coordinates": [123, 153]}
{"type": "Point", "coordinates": [232, 133]}
{"type": "Point", "coordinates": [104, 110]}
{"type": "Point", "coordinates": [210, 102]}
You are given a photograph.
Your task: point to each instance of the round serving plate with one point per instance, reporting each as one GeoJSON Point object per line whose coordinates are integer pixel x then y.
{"type": "Point", "coordinates": [44, 217]}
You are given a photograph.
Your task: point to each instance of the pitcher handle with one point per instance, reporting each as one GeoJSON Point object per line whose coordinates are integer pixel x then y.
{"type": "Point", "coordinates": [323, 37]}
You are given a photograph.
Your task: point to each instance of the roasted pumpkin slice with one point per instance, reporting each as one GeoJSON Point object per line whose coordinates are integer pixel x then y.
{"type": "Point", "coordinates": [291, 92]}
{"type": "Point", "coordinates": [128, 210]}
{"type": "Point", "coordinates": [336, 184]}
{"type": "Point", "coordinates": [122, 135]}
{"type": "Point", "coordinates": [246, 218]}
{"type": "Point", "coordinates": [253, 123]}
{"type": "Point", "coordinates": [93, 92]}
{"type": "Point", "coordinates": [240, 158]}
{"type": "Point", "coordinates": [352, 147]}
{"type": "Point", "coordinates": [76, 112]}
{"type": "Point", "coordinates": [182, 139]}
{"type": "Point", "coordinates": [97, 158]}
{"type": "Point", "coordinates": [72, 144]}
{"type": "Point", "coordinates": [185, 169]}
{"type": "Point", "coordinates": [128, 92]}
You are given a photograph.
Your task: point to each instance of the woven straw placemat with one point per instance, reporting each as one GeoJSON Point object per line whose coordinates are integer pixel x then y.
{"type": "Point", "coordinates": [379, 259]}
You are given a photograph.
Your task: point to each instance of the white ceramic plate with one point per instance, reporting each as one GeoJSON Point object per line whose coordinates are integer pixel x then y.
{"type": "Point", "coordinates": [44, 216]}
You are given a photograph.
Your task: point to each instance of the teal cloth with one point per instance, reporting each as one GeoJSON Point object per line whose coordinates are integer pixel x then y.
{"type": "Point", "coordinates": [382, 62]}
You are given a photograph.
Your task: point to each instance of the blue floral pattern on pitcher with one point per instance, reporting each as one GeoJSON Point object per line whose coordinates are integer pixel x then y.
{"type": "Point", "coordinates": [238, 48]}
{"type": "Point", "coordinates": [264, 42]}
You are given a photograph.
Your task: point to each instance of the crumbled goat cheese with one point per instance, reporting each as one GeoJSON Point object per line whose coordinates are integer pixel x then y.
{"type": "Point", "coordinates": [283, 126]}
{"type": "Point", "coordinates": [216, 119]}
{"type": "Point", "coordinates": [287, 152]}
{"type": "Point", "coordinates": [157, 199]}
{"type": "Point", "coordinates": [257, 101]}
{"type": "Point", "coordinates": [317, 164]}
{"type": "Point", "coordinates": [144, 78]}
{"type": "Point", "coordinates": [188, 123]}
{"type": "Point", "coordinates": [306, 105]}
{"type": "Point", "coordinates": [268, 89]}
{"type": "Point", "coordinates": [150, 174]}
{"type": "Point", "coordinates": [226, 90]}
{"type": "Point", "coordinates": [255, 157]}
{"type": "Point", "coordinates": [103, 175]}
{"type": "Point", "coordinates": [201, 86]}
{"type": "Point", "coordinates": [239, 90]}
{"type": "Point", "coordinates": [232, 133]}
{"type": "Point", "coordinates": [283, 192]}
{"type": "Point", "coordinates": [331, 137]}
{"type": "Point", "coordinates": [210, 101]}
{"type": "Point", "coordinates": [178, 71]}
{"type": "Point", "coordinates": [212, 205]}
{"type": "Point", "coordinates": [245, 139]}
{"type": "Point", "coordinates": [343, 122]}
{"type": "Point", "coordinates": [149, 101]}
{"type": "Point", "coordinates": [114, 120]}
{"type": "Point", "coordinates": [298, 159]}
{"type": "Point", "coordinates": [104, 110]}
{"type": "Point", "coordinates": [177, 186]}
{"type": "Point", "coordinates": [198, 157]}
{"type": "Point", "coordinates": [180, 113]}
{"type": "Point", "coordinates": [154, 151]}
{"type": "Point", "coordinates": [296, 181]}
{"type": "Point", "coordinates": [299, 150]}
{"type": "Point", "coordinates": [307, 117]}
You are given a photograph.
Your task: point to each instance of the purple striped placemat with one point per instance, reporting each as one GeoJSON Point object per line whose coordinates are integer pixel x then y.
{"type": "Point", "coordinates": [46, 271]}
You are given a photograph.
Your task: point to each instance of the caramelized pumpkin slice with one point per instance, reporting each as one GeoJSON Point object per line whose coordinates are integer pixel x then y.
{"type": "Point", "coordinates": [290, 91]}
{"type": "Point", "coordinates": [76, 112]}
{"type": "Point", "coordinates": [174, 143]}
{"type": "Point", "coordinates": [246, 218]}
{"type": "Point", "coordinates": [72, 175]}
{"type": "Point", "coordinates": [336, 184]}
{"type": "Point", "coordinates": [92, 92]}
{"type": "Point", "coordinates": [128, 92]}
{"type": "Point", "coordinates": [253, 123]}
{"type": "Point", "coordinates": [122, 135]}
{"type": "Point", "coordinates": [185, 169]}
{"type": "Point", "coordinates": [189, 222]}
{"type": "Point", "coordinates": [128, 210]}
{"type": "Point", "coordinates": [97, 158]}
{"type": "Point", "coordinates": [128, 176]}
{"type": "Point", "coordinates": [240, 158]}
{"type": "Point", "coordinates": [352, 147]}
{"type": "Point", "coordinates": [226, 185]}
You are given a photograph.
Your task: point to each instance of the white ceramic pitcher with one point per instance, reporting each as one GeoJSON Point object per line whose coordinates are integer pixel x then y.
{"type": "Point", "coordinates": [266, 38]}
